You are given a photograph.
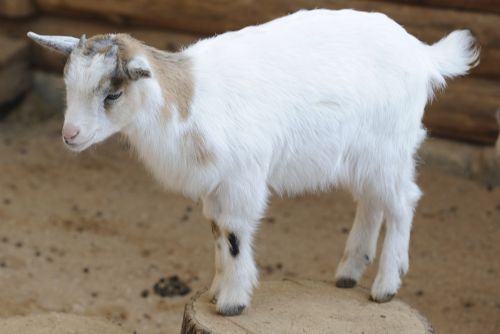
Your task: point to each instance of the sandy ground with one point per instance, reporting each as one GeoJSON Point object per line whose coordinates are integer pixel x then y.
{"type": "Point", "coordinates": [91, 235]}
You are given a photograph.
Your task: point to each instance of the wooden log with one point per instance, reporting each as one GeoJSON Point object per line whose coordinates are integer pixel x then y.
{"type": "Point", "coordinates": [299, 306]}
{"type": "Point", "coordinates": [16, 8]}
{"type": "Point", "coordinates": [466, 111]}
{"type": "Point", "coordinates": [210, 17]}
{"type": "Point", "coordinates": [15, 75]}
{"type": "Point", "coordinates": [489, 6]}
{"type": "Point", "coordinates": [479, 163]}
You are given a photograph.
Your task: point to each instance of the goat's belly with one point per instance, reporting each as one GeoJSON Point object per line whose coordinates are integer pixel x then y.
{"type": "Point", "coordinates": [305, 174]}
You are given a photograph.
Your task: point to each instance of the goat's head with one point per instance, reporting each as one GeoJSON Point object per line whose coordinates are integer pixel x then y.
{"type": "Point", "coordinates": [108, 79]}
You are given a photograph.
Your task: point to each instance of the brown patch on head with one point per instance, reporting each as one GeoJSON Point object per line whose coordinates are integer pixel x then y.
{"type": "Point", "coordinates": [171, 70]}
{"type": "Point", "coordinates": [195, 143]}
{"type": "Point", "coordinates": [99, 44]}
{"type": "Point", "coordinates": [111, 45]}
{"type": "Point", "coordinates": [121, 46]}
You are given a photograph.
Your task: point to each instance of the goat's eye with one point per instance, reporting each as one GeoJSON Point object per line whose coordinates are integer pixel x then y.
{"type": "Point", "coordinates": [113, 97]}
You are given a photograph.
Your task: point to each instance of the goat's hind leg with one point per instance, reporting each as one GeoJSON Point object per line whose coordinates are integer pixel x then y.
{"type": "Point", "coordinates": [361, 244]}
{"type": "Point", "coordinates": [394, 260]}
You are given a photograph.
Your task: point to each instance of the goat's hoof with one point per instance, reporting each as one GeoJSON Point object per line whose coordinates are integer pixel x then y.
{"type": "Point", "coordinates": [383, 299]}
{"type": "Point", "coordinates": [230, 310]}
{"type": "Point", "coordinates": [345, 283]}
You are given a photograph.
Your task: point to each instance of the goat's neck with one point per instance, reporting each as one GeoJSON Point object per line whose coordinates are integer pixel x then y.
{"type": "Point", "coordinates": [173, 73]}
{"type": "Point", "coordinates": [173, 86]}
{"type": "Point", "coordinates": [166, 137]}
{"type": "Point", "coordinates": [164, 120]}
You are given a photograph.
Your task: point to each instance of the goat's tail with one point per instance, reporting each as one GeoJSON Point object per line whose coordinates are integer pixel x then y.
{"type": "Point", "coordinates": [453, 55]}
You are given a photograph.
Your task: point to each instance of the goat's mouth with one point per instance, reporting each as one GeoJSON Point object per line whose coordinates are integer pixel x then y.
{"type": "Point", "coordinates": [80, 146]}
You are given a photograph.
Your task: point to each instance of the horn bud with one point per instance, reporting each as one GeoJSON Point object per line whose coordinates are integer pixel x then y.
{"type": "Point", "coordinates": [82, 41]}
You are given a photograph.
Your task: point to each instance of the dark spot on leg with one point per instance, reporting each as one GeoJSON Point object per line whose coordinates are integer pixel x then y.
{"type": "Point", "coordinates": [367, 258]}
{"type": "Point", "coordinates": [215, 230]}
{"type": "Point", "coordinates": [231, 310]}
{"type": "Point", "coordinates": [234, 244]}
{"type": "Point", "coordinates": [345, 283]}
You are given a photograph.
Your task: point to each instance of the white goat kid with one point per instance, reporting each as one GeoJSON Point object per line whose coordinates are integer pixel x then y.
{"type": "Point", "coordinates": [310, 101]}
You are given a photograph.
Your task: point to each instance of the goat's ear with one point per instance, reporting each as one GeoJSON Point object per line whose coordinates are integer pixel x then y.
{"type": "Point", "coordinates": [62, 44]}
{"type": "Point", "coordinates": [138, 68]}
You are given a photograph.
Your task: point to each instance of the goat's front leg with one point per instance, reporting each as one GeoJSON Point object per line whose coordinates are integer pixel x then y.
{"type": "Point", "coordinates": [235, 270]}
{"type": "Point", "coordinates": [394, 259]}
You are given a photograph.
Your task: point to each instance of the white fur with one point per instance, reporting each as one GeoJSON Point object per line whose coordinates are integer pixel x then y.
{"type": "Point", "coordinates": [314, 100]}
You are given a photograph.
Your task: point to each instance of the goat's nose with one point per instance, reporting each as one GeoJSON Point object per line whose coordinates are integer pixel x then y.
{"type": "Point", "coordinates": [70, 132]}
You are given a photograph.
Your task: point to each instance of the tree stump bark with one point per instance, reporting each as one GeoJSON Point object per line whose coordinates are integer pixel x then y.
{"type": "Point", "coordinates": [296, 306]}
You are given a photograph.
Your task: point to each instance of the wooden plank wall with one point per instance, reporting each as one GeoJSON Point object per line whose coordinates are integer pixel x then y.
{"type": "Point", "coordinates": [466, 111]}
{"type": "Point", "coordinates": [488, 6]}
{"type": "Point", "coordinates": [16, 8]}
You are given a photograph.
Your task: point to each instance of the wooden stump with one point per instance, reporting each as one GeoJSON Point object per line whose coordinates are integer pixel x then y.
{"type": "Point", "coordinates": [293, 306]}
